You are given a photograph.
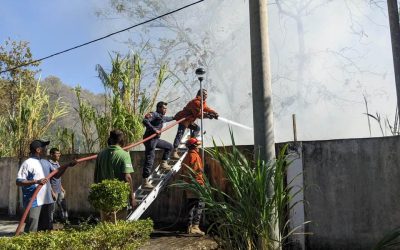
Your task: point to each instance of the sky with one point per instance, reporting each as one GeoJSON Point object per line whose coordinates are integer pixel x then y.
{"type": "Point", "coordinates": [347, 55]}
{"type": "Point", "coordinates": [52, 26]}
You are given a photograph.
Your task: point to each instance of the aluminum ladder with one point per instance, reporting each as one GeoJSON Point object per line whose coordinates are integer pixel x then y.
{"type": "Point", "coordinates": [159, 179]}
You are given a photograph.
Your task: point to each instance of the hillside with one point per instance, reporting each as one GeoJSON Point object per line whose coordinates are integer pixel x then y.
{"type": "Point", "coordinates": [59, 90]}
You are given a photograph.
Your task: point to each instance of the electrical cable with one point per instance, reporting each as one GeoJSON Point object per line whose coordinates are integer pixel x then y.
{"type": "Point", "coordinates": [101, 38]}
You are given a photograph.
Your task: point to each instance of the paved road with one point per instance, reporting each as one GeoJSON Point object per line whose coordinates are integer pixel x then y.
{"type": "Point", "coordinates": [8, 227]}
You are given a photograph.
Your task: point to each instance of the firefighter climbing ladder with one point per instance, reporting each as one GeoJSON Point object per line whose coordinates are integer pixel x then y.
{"type": "Point", "coordinates": [159, 179]}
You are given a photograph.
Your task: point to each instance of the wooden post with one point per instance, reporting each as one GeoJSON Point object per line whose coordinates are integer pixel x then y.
{"type": "Point", "coordinates": [294, 128]}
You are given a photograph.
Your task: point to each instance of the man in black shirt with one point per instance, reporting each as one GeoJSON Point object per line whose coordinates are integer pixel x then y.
{"type": "Point", "coordinates": [154, 122]}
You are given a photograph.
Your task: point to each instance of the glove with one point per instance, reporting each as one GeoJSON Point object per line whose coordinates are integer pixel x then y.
{"type": "Point", "coordinates": [208, 115]}
{"type": "Point", "coordinates": [214, 115]}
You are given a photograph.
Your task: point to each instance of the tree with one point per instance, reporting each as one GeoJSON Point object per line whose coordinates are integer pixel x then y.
{"type": "Point", "coordinates": [26, 112]}
{"type": "Point", "coordinates": [177, 45]}
{"type": "Point", "coordinates": [69, 126]}
{"type": "Point", "coordinates": [127, 99]}
{"type": "Point", "coordinates": [12, 54]}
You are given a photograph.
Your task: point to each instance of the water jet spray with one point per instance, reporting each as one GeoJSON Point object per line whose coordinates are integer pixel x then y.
{"type": "Point", "coordinates": [234, 123]}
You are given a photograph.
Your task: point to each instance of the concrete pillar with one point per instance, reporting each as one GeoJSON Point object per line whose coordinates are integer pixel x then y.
{"type": "Point", "coordinates": [264, 143]}
{"type": "Point", "coordinates": [261, 80]}
{"type": "Point", "coordinates": [393, 12]}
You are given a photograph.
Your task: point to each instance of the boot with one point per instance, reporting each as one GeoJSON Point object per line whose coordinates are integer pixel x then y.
{"type": "Point", "coordinates": [195, 229]}
{"type": "Point", "coordinates": [174, 154]}
{"type": "Point", "coordinates": [146, 184]}
{"type": "Point", "coordinates": [189, 229]}
{"type": "Point", "coordinates": [164, 165]}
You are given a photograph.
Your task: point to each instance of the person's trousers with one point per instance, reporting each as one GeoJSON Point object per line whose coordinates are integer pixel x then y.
{"type": "Point", "coordinates": [195, 207]}
{"type": "Point", "coordinates": [60, 204]}
{"type": "Point", "coordinates": [194, 132]}
{"type": "Point", "coordinates": [150, 153]}
{"type": "Point", "coordinates": [39, 218]}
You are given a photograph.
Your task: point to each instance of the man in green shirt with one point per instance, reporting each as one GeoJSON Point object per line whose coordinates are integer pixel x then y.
{"type": "Point", "coordinates": [115, 163]}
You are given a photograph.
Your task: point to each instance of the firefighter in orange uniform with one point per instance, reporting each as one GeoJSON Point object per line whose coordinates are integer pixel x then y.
{"type": "Point", "coordinates": [195, 205]}
{"type": "Point", "coordinates": [192, 111]}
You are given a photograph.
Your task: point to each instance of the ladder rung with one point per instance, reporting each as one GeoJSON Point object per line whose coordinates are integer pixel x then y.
{"type": "Point", "coordinates": [141, 196]}
{"type": "Point", "coordinates": [144, 190]}
{"type": "Point", "coordinates": [159, 178]}
{"type": "Point", "coordinates": [156, 179]}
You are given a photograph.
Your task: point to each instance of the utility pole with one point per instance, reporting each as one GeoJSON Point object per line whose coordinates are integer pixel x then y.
{"type": "Point", "coordinates": [264, 142]}
{"type": "Point", "coordinates": [394, 23]}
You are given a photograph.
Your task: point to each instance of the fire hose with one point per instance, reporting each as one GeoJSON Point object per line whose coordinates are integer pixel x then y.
{"type": "Point", "coordinates": [28, 207]}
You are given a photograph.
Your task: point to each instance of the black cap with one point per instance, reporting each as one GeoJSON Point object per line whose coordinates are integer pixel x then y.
{"type": "Point", "coordinates": [38, 144]}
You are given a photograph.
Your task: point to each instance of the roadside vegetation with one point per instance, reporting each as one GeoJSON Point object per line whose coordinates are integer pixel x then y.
{"type": "Point", "coordinates": [105, 235]}
{"type": "Point", "coordinates": [74, 120]}
{"type": "Point", "coordinates": [253, 212]}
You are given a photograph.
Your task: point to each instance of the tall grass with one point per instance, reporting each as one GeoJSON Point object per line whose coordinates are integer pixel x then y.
{"type": "Point", "coordinates": [126, 101]}
{"type": "Point", "coordinates": [32, 120]}
{"type": "Point", "coordinates": [64, 140]}
{"type": "Point", "coordinates": [249, 215]}
{"type": "Point", "coordinates": [390, 240]}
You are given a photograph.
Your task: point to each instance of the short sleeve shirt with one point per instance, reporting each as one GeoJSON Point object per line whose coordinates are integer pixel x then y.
{"type": "Point", "coordinates": [55, 182]}
{"type": "Point", "coordinates": [112, 163]}
{"type": "Point", "coordinates": [35, 169]}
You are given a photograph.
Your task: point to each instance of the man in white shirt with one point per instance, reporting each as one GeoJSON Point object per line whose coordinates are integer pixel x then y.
{"type": "Point", "coordinates": [32, 173]}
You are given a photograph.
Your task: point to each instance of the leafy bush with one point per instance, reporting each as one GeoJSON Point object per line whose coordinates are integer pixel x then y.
{"type": "Point", "coordinates": [122, 235]}
{"type": "Point", "coordinates": [109, 195]}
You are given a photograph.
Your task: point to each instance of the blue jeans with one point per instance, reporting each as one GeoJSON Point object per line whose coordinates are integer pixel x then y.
{"type": "Point", "coordinates": [194, 131]}
{"type": "Point", "coordinates": [150, 153]}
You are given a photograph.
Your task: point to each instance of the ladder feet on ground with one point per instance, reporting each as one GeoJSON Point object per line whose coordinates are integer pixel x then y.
{"type": "Point", "coordinates": [145, 194]}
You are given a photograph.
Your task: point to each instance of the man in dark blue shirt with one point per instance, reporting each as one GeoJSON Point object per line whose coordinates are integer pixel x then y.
{"type": "Point", "coordinates": [154, 122]}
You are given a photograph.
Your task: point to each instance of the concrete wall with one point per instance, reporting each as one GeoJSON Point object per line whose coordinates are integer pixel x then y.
{"type": "Point", "coordinates": [352, 191]}
{"type": "Point", "coordinates": [8, 189]}
{"type": "Point", "coordinates": [5, 168]}
{"type": "Point", "coordinates": [168, 209]}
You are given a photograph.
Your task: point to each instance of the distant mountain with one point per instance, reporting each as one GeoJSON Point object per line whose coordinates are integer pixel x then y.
{"type": "Point", "coordinates": [57, 89]}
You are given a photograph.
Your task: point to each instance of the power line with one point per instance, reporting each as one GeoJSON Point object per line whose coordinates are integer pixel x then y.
{"type": "Point", "coordinates": [101, 38]}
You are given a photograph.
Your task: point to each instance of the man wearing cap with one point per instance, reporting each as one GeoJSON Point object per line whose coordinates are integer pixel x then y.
{"type": "Point", "coordinates": [193, 165]}
{"type": "Point", "coordinates": [32, 173]}
{"type": "Point", "coordinates": [154, 122]}
{"type": "Point", "coordinates": [192, 111]}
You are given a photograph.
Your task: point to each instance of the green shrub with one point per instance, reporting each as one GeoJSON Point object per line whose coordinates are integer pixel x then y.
{"type": "Point", "coordinates": [122, 235]}
{"type": "Point", "coordinates": [109, 195]}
